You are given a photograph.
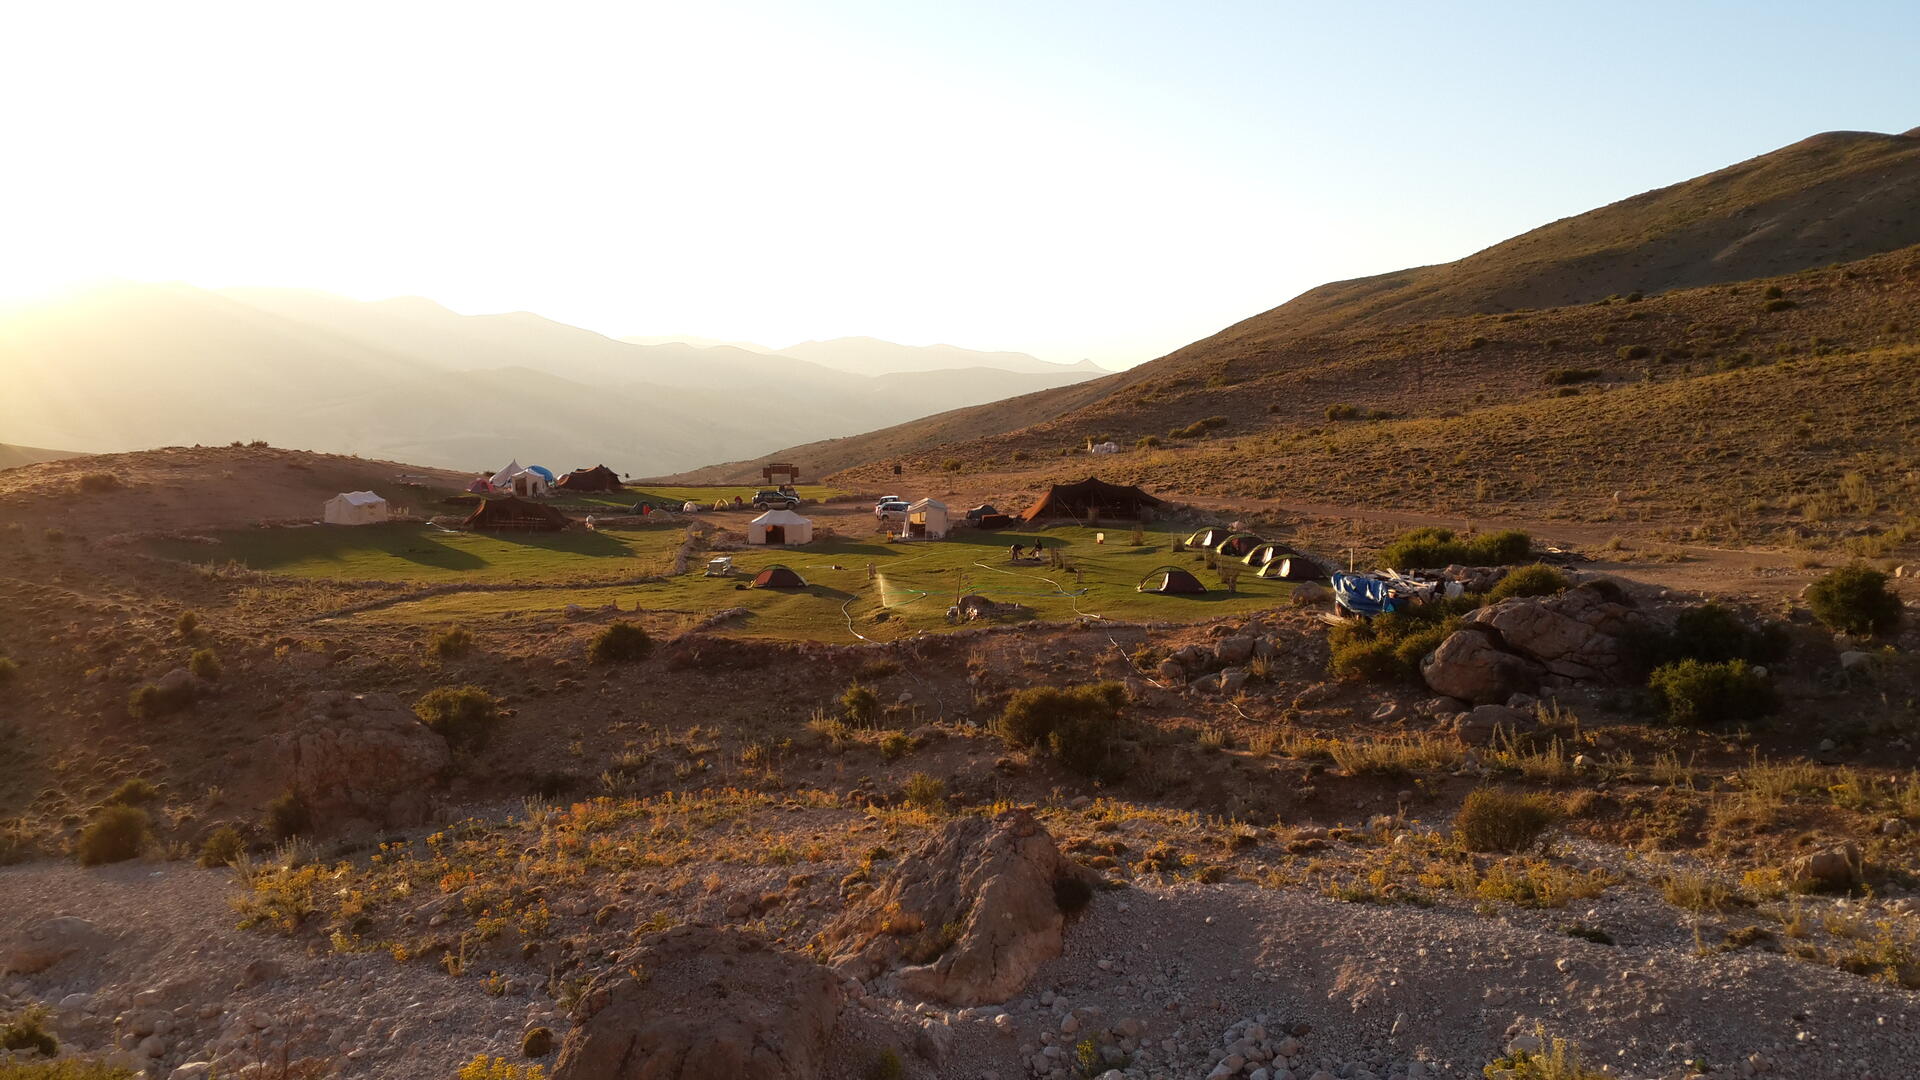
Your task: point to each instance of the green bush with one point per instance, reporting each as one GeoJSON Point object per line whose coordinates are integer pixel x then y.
{"type": "Point", "coordinates": [1429, 547]}
{"type": "Point", "coordinates": [1147, 442]}
{"type": "Point", "coordinates": [116, 834]}
{"type": "Point", "coordinates": [465, 716]}
{"type": "Point", "coordinates": [620, 643]}
{"type": "Point", "coordinates": [1714, 634]}
{"type": "Point", "coordinates": [1343, 412]}
{"type": "Point", "coordinates": [1772, 292]}
{"type": "Point", "coordinates": [186, 624]}
{"type": "Point", "coordinates": [1491, 819]}
{"type": "Point", "coordinates": [1078, 726]}
{"type": "Point", "coordinates": [1389, 648]}
{"type": "Point", "coordinates": [222, 848]}
{"type": "Point", "coordinates": [1633, 352]}
{"type": "Point", "coordinates": [1854, 600]}
{"type": "Point", "coordinates": [204, 663]}
{"type": "Point", "coordinates": [133, 792]}
{"type": "Point", "coordinates": [1538, 579]}
{"type": "Point", "coordinates": [1695, 694]}
{"type": "Point", "coordinates": [859, 704]}
{"type": "Point", "coordinates": [925, 792]}
{"type": "Point", "coordinates": [451, 643]}
{"type": "Point", "coordinates": [28, 1031]}
{"type": "Point", "coordinates": [288, 816]}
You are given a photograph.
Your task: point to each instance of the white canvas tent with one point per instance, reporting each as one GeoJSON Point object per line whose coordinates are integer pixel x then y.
{"type": "Point", "coordinates": [355, 508]}
{"type": "Point", "coordinates": [779, 527]}
{"type": "Point", "coordinates": [924, 520]}
{"type": "Point", "coordinates": [522, 481]}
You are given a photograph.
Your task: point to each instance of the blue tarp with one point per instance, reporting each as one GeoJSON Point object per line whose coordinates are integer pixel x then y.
{"type": "Point", "coordinates": [1364, 595]}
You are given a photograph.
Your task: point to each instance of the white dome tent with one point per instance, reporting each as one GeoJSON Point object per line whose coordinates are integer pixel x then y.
{"type": "Point", "coordinates": [780, 527]}
{"type": "Point", "coordinates": [355, 508]}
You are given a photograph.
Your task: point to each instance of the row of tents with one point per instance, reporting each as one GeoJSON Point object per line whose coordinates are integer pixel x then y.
{"type": "Point", "coordinates": [539, 482]}
{"type": "Point", "coordinates": [1269, 559]}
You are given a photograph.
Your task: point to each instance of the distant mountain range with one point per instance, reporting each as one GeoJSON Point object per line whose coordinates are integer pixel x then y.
{"type": "Point", "coordinates": [130, 366]}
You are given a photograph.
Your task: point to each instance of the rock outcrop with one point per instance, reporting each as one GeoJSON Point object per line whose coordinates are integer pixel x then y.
{"type": "Point", "coordinates": [40, 946]}
{"type": "Point", "coordinates": [1584, 635]}
{"type": "Point", "coordinates": [972, 915]}
{"type": "Point", "coordinates": [360, 756]}
{"type": "Point", "coordinates": [697, 1002]}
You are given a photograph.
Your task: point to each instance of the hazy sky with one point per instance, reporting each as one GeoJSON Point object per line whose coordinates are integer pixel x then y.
{"type": "Point", "coordinates": [1102, 179]}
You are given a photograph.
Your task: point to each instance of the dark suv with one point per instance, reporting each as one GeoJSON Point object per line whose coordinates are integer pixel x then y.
{"type": "Point", "coordinates": [769, 499]}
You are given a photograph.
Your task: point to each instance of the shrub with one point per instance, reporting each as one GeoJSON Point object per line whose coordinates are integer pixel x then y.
{"type": "Point", "coordinates": [9, 671]}
{"type": "Point", "coordinates": [151, 701]}
{"type": "Point", "coordinates": [450, 643]}
{"type": "Point", "coordinates": [288, 816]}
{"type": "Point", "coordinates": [28, 1031]}
{"type": "Point", "coordinates": [465, 716]}
{"type": "Point", "coordinates": [483, 1067]}
{"type": "Point", "coordinates": [1429, 547]}
{"type": "Point", "coordinates": [1776, 305]}
{"type": "Point", "coordinates": [98, 483]}
{"type": "Point", "coordinates": [952, 464]}
{"type": "Point", "coordinates": [925, 792]}
{"type": "Point", "coordinates": [1078, 726]}
{"type": "Point", "coordinates": [1633, 352]}
{"type": "Point", "coordinates": [1147, 442]}
{"type": "Point", "coordinates": [1854, 599]}
{"type": "Point", "coordinates": [132, 792]}
{"type": "Point", "coordinates": [859, 704]}
{"type": "Point", "coordinates": [186, 624]}
{"type": "Point", "coordinates": [620, 643]}
{"type": "Point", "coordinates": [1343, 412]}
{"type": "Point", "coordinates": [204, 663]}
{"type": "Point", "coordinates": [1569, 376]}
{"type": "Point", "coordinates": [537, 1042]}
{"type": "Point", "coordinates": [1389, 648]}
{"type": "Point", "coordinates": [1538, 579]}
{"type": "Point", "coordinates": [886, 1065]}
{"type": "Point", "coordinates": [1696, 694]}
{"type": "Point", "coordinates": [222, 848]}
{"type": "Point", "coordinates": [69, 1068]}
{"type": "Point", "coordinates": [1714, 634]}
{"type": "Point", "coordinates": [1491, 819]}
{"type": "Point", "coordinates": [116, 834]}
{"type": "Point", "coordinates": [1773, 292]}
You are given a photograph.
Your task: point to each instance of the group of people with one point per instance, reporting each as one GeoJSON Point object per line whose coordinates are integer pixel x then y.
{"type": "Point", "coordinates": [1015, 552]}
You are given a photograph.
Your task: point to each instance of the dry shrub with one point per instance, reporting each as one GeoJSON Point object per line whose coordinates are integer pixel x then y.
{"type": "Point", "coordinates": [116, 834]}
{"type": "Point", "coordinates": [1078, 726]}
{"type": "Point", "coordinates": [465, 716]}
{"type": "Point", "coordinates": [1491, 819]}
{"type": "Point", "coordinates": [451, 643]}
{"type": "Point", "coordinates": [222, 848]}
{"type": "Point", "coordinates": [620, 643]}
{"type": "Point", "coordinates": [1854, 600]}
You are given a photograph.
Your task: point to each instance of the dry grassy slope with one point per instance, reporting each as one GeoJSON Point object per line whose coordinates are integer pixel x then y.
{"type": "Point", "coordinates": [1832, 198]}
{"type": "Point", "coordinates": [13, 456]}
{"type": "Point", "coordinates": [201, 488]}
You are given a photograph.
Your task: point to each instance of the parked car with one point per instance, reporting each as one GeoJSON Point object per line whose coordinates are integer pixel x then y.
{"type": "Point", "coordinates": [891, 510]}
{"type": "Point", "coordinates": [770, 499]}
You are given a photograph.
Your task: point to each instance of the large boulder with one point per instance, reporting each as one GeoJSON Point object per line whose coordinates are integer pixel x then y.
{"type": "Point", "coordinates": [1582, 634]}
{"type": "Point", "coordinates": [364, 756]}
{"type": "Point", "coordinates": [968, 918]}
{"type": "Point", "coordinates": [1469, 665]}
{"type": "Point", "coordinates": [43, 944]}
{"type": "Point", "coordinates": [697, 1002]}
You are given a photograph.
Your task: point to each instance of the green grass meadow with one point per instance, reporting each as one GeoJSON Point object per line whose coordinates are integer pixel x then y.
{"type": "Point", "coordinates": [856, 587]}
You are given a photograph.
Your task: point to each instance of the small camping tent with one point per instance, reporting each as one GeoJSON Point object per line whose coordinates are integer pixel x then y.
{"type": "Point", "coordinates": [1208, 537]}
{"type": "Point", "coordinates": [517, 514]}
{"type": "Point", "coordinates": [1237, 545]}
{"type": "Point", "coordinates": [598, 478]}
{"type": "Point", "coordinates": [779, 527]}
{"type": "Point", "coordinates": [355, 508]}
{"type": "Point", "coordinates": [500, 478]}
{"type": "Point", "coordinates": [1171, 579]}
{"type": "Point", "coordinates": [1262, 554]}
{"type": "Point", "coordinates": [925, 520]}
{"type": "Point", "coordinates": [1092, 498]}
{"type": "Point", "coordinates": [1294, 567]}
{"type": "Point", "coordinates": [480, 486]}
{"type": "Point", "coordinates": [776, 576]}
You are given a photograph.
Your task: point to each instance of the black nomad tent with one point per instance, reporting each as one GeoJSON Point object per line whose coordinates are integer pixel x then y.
{"type": "Point", "coordinates": [513, 513]}
{"type": "Point", "coordinates": [1092, 498]}
{"type": "Point", "coordinates": [598, 478]}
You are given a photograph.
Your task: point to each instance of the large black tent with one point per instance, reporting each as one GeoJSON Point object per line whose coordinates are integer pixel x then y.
{"type": "Point", "coordinates": [598, 478]}
{"type": "Point", "coordinates": [1092, 498]}
{"type": "Point", "coordinates": [513, 513]}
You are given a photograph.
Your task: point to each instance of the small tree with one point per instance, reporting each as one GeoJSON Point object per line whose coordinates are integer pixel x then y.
{"type": "Point", "coordinates": [1854, 600]}
{"type": "Point", "coordinates": [859, 704]}
{"type": "Point", "coordinates": [1693, 693]}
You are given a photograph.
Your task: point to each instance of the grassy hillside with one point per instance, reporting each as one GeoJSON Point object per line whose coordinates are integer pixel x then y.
{"type": "Point", "coordinates": [1495, 324]}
